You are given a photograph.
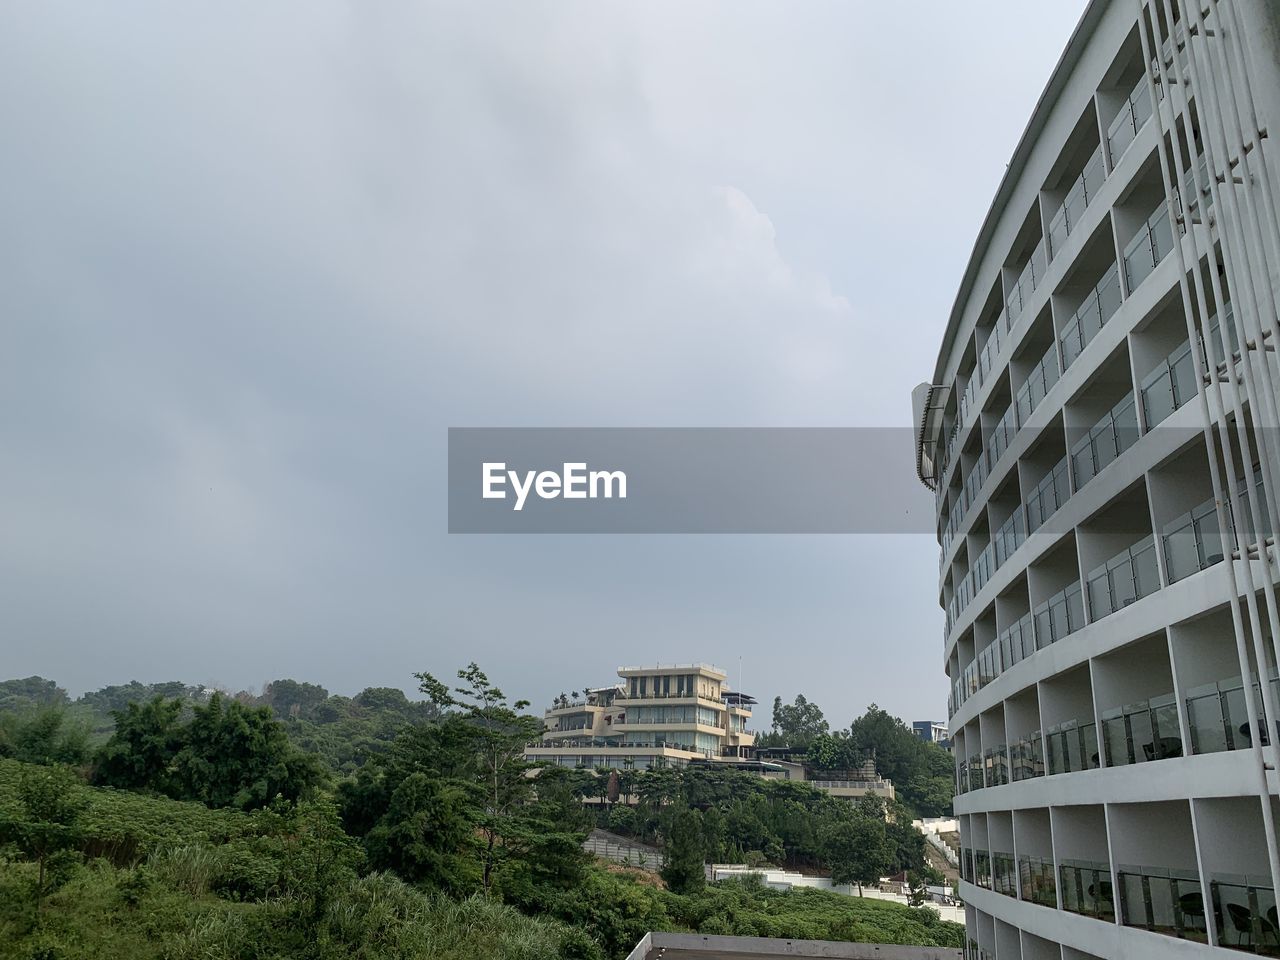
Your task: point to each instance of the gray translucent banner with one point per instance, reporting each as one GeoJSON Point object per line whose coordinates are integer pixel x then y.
{"type": "Point", "coordinates": [830, 480]}
{"type": "Point", "coordinates": [688, 480]}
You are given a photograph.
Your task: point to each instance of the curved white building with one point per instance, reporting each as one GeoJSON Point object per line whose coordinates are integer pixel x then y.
{"type": "Point", "coordinates": [1101, 431]}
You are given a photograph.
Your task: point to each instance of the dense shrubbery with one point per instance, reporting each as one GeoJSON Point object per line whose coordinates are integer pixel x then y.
{"type": "Point", "coordinates": [439, 845]}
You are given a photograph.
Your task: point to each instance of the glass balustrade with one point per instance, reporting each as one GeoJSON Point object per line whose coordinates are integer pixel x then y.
{"type": "Point", "coordinates": [1026, 758]}
{"type": "Point", "coordinates": [1086, 889]}
{"type": "Point", "coordinates": [1151, 245]}
{"type": "Point", "coordinates": [1133, 115]}
{"type": "Point", "coordinates": [1106, 440]}
{"type": "Point", "coordinates": [1017, 641]}
{"type": "Point", "coordinates": [1244, 913]}
{"type": "Point", "coordinates": [1029, 278]}
{"type": "Point", "coordinates": [1163, 901]}
{"type": "Point", "coordinates": [1079, 195]}
{"type": "Point", "coordinates": [1071, 747]}
{"type": "Point", "coordinates": [1048, 496]}
{"type": "Point", "coordinates": [1060, 615]}
{"type": "Point", "coordinates": [1192, 542]}
{"type": "Point", "coordinates": [1218, 717]}
{"type": "Point", "coordinates": [989, 353]}
{"type": "Point", "coordinates": [1192, 196]}
{"type": "Point", "coordinates": [1216, 324]}
{"type": "Point", "coordinates": [1091, 316]}
{"type": "Point", "coordinates": [1002, 435]}
{"type": "Point", "coordinates": [1038, 383]}
{"type": "Point", "coordinates": [1037, 882]}
{"type": "Point", "coordinates": [1124, 579]}
{"type": "Point", "coordinates": [966, 864]}
{"type": "Point", "coordinates": [1170, 385]}
{"type": "Point", "coordinates": [1143, 731]}
{"type": "Point", "coordinates": [1011, 535]}
{"type": "Point", "coordinates": [995, 761]}
{"type": "Point", "coordinates": [975, 767]}
{"type": "Point", "coordinates": [1004, 874]}
{"type": "Point", "coordinates": [982, 868]}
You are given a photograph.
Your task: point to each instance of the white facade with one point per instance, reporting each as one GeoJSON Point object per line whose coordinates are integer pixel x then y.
{"type": "Point", "coordinates": [1106, 401]}
{"type": "Point", "coordinates": [660, 716]}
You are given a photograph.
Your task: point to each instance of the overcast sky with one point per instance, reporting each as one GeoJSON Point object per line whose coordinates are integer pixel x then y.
{"type": "Point", "coordinates": [257, 258]}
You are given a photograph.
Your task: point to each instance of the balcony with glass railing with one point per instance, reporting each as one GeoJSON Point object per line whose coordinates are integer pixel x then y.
{"type": "Point", "coordinates": [1192, 542]}
{"type": "Point", "coordinates": [1071, 747]}
{"type": "Point", "coordinates": [1218, 718]}
{"type": "Point", "coordinates": [1143, 731]}
{"type": "Point", "coordinates": [982, 868]}
{"type": "Point", "coordinates": [1060, 615]}
{"type": "Point", "coordinates": [1091, 316]}
{"type": "Point", "coordinates": [1011, 535]}
{"type": "Point", "coordinates": [1079, 195]}
{"type": "Point", "coordinates": [1133, 115]}
{"type": "Point", "coordinates": [1124, 579]}
{"type": "Point", "coordinates": [1037, 883]}
{"type": "Point", "coordinates": [1002, 435]}
{"type": "Point", "coordinates": [1048, 497]}
{"type": "Point", "coordinates": [1170, 385]}
{"type": "Point", "coordinates": [989, 353]}
{"type": "Point", "coordinates": [1026, 758]}
{"type": "Point", "coordinates": [1106, 440]}
{"type": "Point", "coordinates": [1244, 913]}
{"type": "Point", "coordinates": [971, 773]}
{"type": "Point", "coordinates": [1165, 901]}
{"type": "Point", "coordinates": [1086, 889]}
{"type": "Point", "coordinates": [1004, 874]}
{"type": "Point", "coordinates": [995, 762]}
{"type": "Point", "coordinates": [1151, 245]}
{"type": "Point", "coordinates": [1030, 277]}
{"type": "Point", "coordinates": [1038, 383]}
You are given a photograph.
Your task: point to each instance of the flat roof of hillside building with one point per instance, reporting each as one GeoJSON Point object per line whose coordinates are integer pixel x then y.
{"type": "Point", "coordinates": [696, 946]}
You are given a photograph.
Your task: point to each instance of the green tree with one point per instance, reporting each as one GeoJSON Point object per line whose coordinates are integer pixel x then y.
{"type": "Point", "coordinates": [238, 756]}
{"type": "Point", "coordinates": [856, 850]}
{"type": "Point", "coordinates": [493, 734]}
{"type": "Point", "coordinates": [684, 870]}
{"type": "Point", "coordinates": [426, 834]}
{"type": "Point", "coordinates": [48, 736]}
{"type": "Point", "coordinates": [51, 801]}
{"type": "Point", "coordinates": [797, 723]}
{"type": "Point", "coordinates": [141, 751]}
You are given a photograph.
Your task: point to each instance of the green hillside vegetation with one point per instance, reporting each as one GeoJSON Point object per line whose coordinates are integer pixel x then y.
{"type": "Point", "coordinates": [201, 828]}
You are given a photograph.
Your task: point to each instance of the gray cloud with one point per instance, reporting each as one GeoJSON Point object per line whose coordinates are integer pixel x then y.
{"type": "Point", "coordinates": [260, 257]}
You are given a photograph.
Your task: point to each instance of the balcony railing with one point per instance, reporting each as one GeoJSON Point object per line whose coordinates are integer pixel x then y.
{"type": "Point", "coordinates": [1004, 874]}
{"type": "Point", "coordinates": [995, 761]}
{"type": "Point", "coordinates": [1071, 747]}
{"type": "Point", "coordinates": [1131, 118]}
{"type": "Point", "coordinates": [1026, 758]}
{"type": "Point", "coordinates": [1048, 496]}
{"type": "Point", "coordinates": [1192, 542]}
{"type": "Point", "coordinates": [1092, 315]}
{"type": "Point", "coordinates": [1148, 248]}
{"type": "Point", "coordinates": [1086, 889]}
{"type": "Point", "coordinates": [1163, 901]}
{"type": "Point", "coordinates": [1124, 579]}
{"type": "Point", "coordinates": [982, 868]}
{"type": "Point", "coordinates": [1011, 535]}
{"type": "Point", "coordinates": [1002, 435]}
{"type": "Point", "coordinates": [966, 864]}
{"type": "Point", "coordinates": [989, 353]}
{"type": "Point", "coordinates": [1244, 913]}
{"type": "Point", "coordinates": [1037, 881]}
{"type": "Point", "coordinates": [1170, 385]}
{"type": "Point", "coordinates": [1219, 719]}
{"type": "Point", "coordinates": [1144, 731]}
{"type": "Point", "coordinates": [1060, 615]}
{"type": "Point", "coordinates": [1079, 195]}
{"type": "Point", "coordinates": [1106, 440]}
{"type": "Point", "coordinates": [1038, 383]}
{"type": "Point", "coordinates": [1032, 274]}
